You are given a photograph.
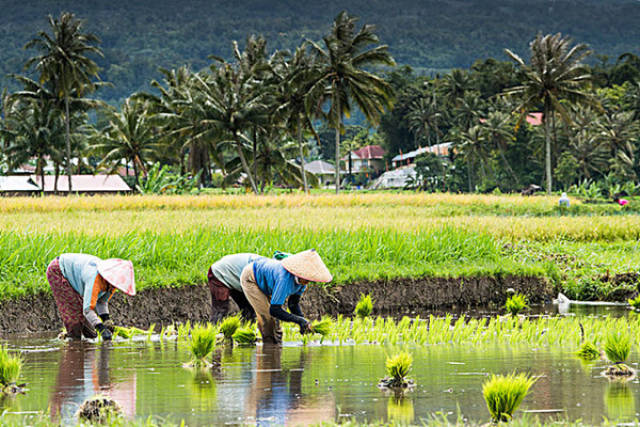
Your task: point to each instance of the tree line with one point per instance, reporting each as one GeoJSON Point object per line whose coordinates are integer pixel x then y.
{"type": "Point", "coordinates": [260, 115]}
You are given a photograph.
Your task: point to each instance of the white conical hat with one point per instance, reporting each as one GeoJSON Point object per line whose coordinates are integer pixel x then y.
{"type": "Point", "coordinates": [119, 273]}
{"type": "Point", "coordinates": [307, 265]}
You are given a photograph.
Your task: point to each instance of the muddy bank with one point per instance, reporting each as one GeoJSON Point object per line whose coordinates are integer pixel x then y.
{"type": "Point", "coordinates": [392, 297]}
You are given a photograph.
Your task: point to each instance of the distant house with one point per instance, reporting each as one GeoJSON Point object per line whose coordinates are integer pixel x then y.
{"type": "Point", "coordinates": [324, 171]}
{"type": "Point", "coordinates": [91, 184]}
{"type": "Point", "coordinates": [366, 159]}
{"type": "Point", "coordinates": [534, 119]}
{"type": "Point", "coordinates": [404, 159]}
{"type": "Point", "coordinates": [396, 178]}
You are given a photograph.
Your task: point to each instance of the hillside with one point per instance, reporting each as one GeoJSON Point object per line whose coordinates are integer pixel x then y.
{"type": "Point", "coordinates": [140, 36]}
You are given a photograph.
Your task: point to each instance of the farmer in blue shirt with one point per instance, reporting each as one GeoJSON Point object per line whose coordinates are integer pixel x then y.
{"type": "Point", "coordinates": [268, 283]}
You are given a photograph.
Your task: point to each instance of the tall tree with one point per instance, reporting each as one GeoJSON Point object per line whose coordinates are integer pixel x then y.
{"type": "Point", "coordinates": [63, 62]}
{"type": "Point", "coordinates": [342, 76]}
{"type": "Point", "coordinates": [555, 73]}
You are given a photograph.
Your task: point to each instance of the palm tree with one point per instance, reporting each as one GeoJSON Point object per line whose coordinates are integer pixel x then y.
{"type": "Point", "coordinates": [64, 63]}
{"type": "Point", "coordinates": [130, 136]}
{"type": "Point", "coordinates": [556, 72]}
{"type": "Point", "coordinates": [454, 86]}
{"type": "Point", "coordinates": [423, 118]}
{"type": "Point", "coordinates": [342, 77]}
{"type": "Point", "coordinates": [473, 147]}
{"type": "Point", "coordinates": [620, 133]}
{"type": "Point", "coordinates": [497, 130]}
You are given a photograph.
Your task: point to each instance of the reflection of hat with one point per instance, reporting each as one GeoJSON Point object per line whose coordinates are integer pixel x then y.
{"type": "Point", "coordinates": [307, 265]}
{"type": "Point", "coordinates": [119, 273]}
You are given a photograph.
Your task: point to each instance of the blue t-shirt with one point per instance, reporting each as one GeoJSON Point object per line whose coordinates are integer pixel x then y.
{"type": "Point", "coordinates": [275, 281]}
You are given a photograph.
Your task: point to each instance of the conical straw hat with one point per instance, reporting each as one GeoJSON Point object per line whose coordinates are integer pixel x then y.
{"type": "Point", "coordinates": [119, 273]}
{"type": "Point", "coordinates": [307, 265]}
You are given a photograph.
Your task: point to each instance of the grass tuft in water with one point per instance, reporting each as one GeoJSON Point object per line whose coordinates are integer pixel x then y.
{"type": "Point", "coordinates": [203, 341]}
{"type": "Point", "coordinates": [245, 336]}
{"type": "Point", "coordinates": [516, 304]}
{"type": "Point", "coordinates": [364, 306]}
{"type": "Point", "coordinates": [229, 326]}
{"type": "Point", "coordinates": [588, 351]}
{"type": "Point", "coordinates": [399, 366]}
{"type": "Point", "coordinates": [617, 347]}
{"type": "Point", "coordinates": [322, 327]}
{"type": "Point", "coordinates": [504, 394]}
{"type": "Point", "coordinates": [10, 366]}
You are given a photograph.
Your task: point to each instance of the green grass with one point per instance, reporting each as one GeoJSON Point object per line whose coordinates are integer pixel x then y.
{"type": "Point", "coordinates": [504, 394]}
{"type": "Point", "coordinates": [10, 366]}
{"type": "Point", "coordinates": [516, 304]}
{"type": "Point", "coordinates": [617, 346]}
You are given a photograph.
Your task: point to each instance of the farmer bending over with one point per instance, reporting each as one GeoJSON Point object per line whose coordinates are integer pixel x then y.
{"type": "Point", "coordinates": [268, 283]}
{"type": "Point", "coordinates": [82, 285]}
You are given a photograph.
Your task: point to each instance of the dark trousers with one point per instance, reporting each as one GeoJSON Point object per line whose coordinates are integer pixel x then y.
{"type": "Point", "coordinates": [220, 294]}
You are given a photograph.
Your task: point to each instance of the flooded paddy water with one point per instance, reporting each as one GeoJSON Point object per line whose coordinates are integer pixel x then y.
{"type": "Point", "coordinates": [299, 385]}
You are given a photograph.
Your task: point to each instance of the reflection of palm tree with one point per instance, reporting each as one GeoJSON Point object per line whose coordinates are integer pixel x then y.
{"type": "Point", "coordinates": [556, 72]}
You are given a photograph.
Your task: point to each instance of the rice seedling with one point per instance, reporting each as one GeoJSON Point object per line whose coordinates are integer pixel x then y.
{"type": "Point", "coordinates": [364, 307]}
{"type": "Point", "coordinates": [99, 410]}
{"type": "Point", "coordinates": [516, 304]}
{"type": "Point", "coordinates": [245, 336]}
{"type": "Point", "coordinates": [588, 351]}
{"type": "Point", "coordinates": [617, 348]}
{"type": "Point", "coordinates": [203, 340]}
{"type": "Point", "coordinates": [10, 367]}
{"type": "Point", "coordinates": [322, 327]}
{"type": "Point", "coordinates": [634, 303]}
{"type": "Point", "coordinates": [130, 332]}
{"type": "Point", "coordinates": [397, 367]}
{"type": "Point", "coordinates": [229, 326]}
{"type": "Point", "coordinates": [504, 394]}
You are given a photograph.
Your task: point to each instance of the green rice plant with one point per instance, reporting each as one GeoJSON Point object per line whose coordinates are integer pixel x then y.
{"type": "Point", "coordinates": [617, 347]}
{"type": "Point", "coordinates": [364, 307]}
{"type": "Point", "coordinates": [203, 341]}
{"type": "Point", "coordinates": [635, 303]}
{"type": "Point", "coordinates": [399, 366]}
{"type": "Point", "coordinates": [504, 394]}
{"type": "Point", "coordinates": [10, 366]}
{"type": "Point", "coordinates": [229, 326]}
{"type": "Point", "coordinates": [516, 304]}
{"type": "Point", "coordinates": [245, 336]}
{"type": "Point", "coordinates": [323, 326]}
{"type": "Point", "coordinates": [588, 351]}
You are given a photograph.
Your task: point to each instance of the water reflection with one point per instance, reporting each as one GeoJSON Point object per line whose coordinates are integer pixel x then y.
{"type": "Point", "coordinates": [83, 371]}
{"type": "Point", "coordinates": [620, 402]}
{"type": "Point", "coordinates": [400, 409]}
{"type": "Point", "coordinates": [276, 395]}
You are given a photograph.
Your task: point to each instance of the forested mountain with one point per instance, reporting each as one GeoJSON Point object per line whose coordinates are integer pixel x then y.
{"type": "Point", "coordinates": [140, 36]}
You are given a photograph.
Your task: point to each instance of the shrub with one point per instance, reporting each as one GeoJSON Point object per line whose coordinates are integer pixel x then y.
{"type": "Point", "coordinates": [229, 326]}
{"type": "Point", "coordinates": [617, 347]}
{"type": "Point", "coordinates": [10, 366]}
{"type": "Point", "coordinates": [398, 366]}
{"type": "Point", "coordinates": [516, 303]}
{"type": "Point", "coordinates": [588, 351]}
{"type": "Point", "coordinates": [203, 340]}
{"type": "Point", "coordinates": [364, 306]}
{"type": "Point", "coordinates": [504, 394]}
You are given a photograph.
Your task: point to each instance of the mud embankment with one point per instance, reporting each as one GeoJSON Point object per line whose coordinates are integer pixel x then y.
{"type": "Point", "coordinates": [392, 297]}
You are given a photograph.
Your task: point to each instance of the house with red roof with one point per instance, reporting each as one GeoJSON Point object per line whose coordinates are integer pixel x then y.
{"type": "Point", "coordinates": [369, 159]}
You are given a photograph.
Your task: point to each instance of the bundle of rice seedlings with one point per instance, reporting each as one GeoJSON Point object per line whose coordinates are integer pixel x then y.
{"type": "Point", "coordinates": [635, 303]}
{"type": "Point", "coordinates": [398, 367]}
{"type": "Point", "coordinates": [203, 340]}
{"type": "Point", "coordinates": [364, 306]}
{"type": "Point", "coordinates": [322, 327]}
{"type": "Point", "coordinates": [99, 409]}
{"type": "Point", "coordinates": [504, 394]}
{"type": "Point", "coordinates": [617, 348]}
{"type": "Point", "coordinates": [588, 351]}
{"type": "Point", "coordinates": [245, 336]}
{"type": "Point", "coordinates": [130, 332]}
{"type": "Point", "coordinates": [516, 303]}
{"type": "Point", "coordinates": [10, 367]}
{"type": "Point", "coordinates": [229, 326]}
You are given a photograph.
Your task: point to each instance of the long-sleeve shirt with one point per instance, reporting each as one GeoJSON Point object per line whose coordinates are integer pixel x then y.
{"type": "Point", "coordinates": [81, 271]}
{"type": "Point", "coordinates": [275, 281]}
{"type": "Point", "coordinates": [229, 268]}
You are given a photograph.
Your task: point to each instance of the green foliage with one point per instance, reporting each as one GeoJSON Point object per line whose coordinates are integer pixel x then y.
{"type": "Point", "coordinates": [399, 365]}
{"type": "Point", "coordinates": [617, 346]}
{"type": "Point", "coordinates": [162, 180]}
{"type": "Point", "coordinates": [516, 303]}
{"type": "Point", "coordinates": [245, 336]}
{"type": "Point", "coordinates": [504, 394]}
{"type": "Point", "coordinates": [588, 351]}
{"type": "Point", "coordinates": [567, 170]}
{"type": "Point", "coordinates": [322, 327]}
{"type": "Point", "coordinates": [10, 366]}
{"type": "Point", "coordinates": [364, 307]}
{"type": "Point", "coordinates": [229, 326]}
{"type": "Point", "coordinates": [203, 340]}
{"type": "Point", "coordinates": [635, 303]}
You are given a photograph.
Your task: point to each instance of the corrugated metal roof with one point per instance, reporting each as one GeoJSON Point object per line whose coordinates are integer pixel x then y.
{"type": "Point", "coordinates": [442, 149]}
{"type": "Point", "coordinates": [17, 183]}
{"type": "Point", "coordinates": [84, 183]}
{"type": "Point", "coordinates": [319, 167]}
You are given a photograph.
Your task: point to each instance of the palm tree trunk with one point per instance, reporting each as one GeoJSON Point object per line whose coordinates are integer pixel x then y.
{"type": "Point", "coordinates": [547, 143]}
{"type": "Point", "coordinates": [55, 180]}
{"type": "Point", "coordinates": [254, 165]}
{"type": "Point", "coordinates": [508, 167]}
{"type": "Point", "coordinates": [304, 173]}
{"type": "Point", "coordinates": [135, 172]}
{"type": "Point", "coordinates": [245, 165]}
{"type": "Point", "coordinates": [68, 138]}
{"type": "Point", "coordinates": [469, 176]}
{"type": "Point", "coordinates": [41, 170]}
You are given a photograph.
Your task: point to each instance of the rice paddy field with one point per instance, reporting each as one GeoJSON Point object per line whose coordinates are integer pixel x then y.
{"type": "Point", "coordinates": [586, 250]}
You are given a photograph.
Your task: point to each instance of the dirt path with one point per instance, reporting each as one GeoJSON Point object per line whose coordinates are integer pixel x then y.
{"type": "Point", "coordinates": [392, 297]}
